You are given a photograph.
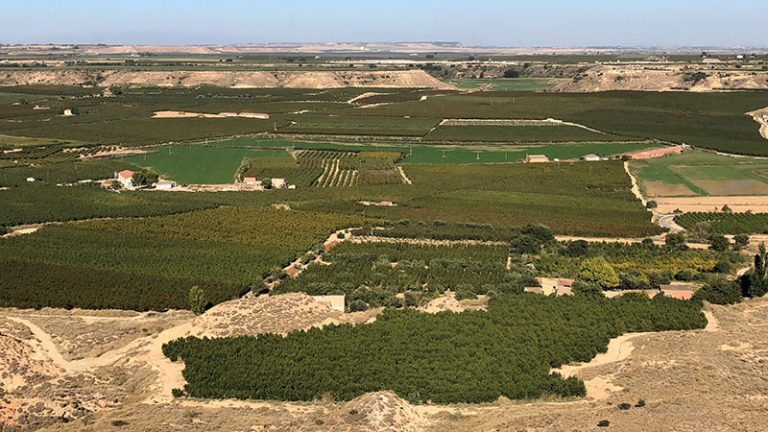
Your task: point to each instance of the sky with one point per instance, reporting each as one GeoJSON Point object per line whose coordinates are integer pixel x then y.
{"type": "Point", "coordinates": [529, 23]}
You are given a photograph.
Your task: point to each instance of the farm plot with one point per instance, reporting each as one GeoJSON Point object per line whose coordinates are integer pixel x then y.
{"type": "Point", "coordinates": [727, 223]}
{"type": "Point", "coordinates": [197, 164]}
{"type": "Point", "coordinates": [522, 131]}
{"type": "Point", "coordinates": [702, 174]}
{"type": "Point", "coordinates": [357, 124]}
{"type": "Point", "coordinates": [346, 169]}
{"type": "Point", "coordinates": [152, 263]}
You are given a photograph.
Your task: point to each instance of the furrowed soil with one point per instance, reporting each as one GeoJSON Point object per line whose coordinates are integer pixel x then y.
{"type": "Point", "coordinates": [713, 379]}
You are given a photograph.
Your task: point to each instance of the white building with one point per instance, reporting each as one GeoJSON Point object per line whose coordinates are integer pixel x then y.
{"type": "Point", "coordinates": [165, 185]}
{"type": "Point", "coordinates": [125, 178]}
{"type": "Point", "coordinates": [591, 158]}
{"type": "Point", "coordinates": [279, 183]}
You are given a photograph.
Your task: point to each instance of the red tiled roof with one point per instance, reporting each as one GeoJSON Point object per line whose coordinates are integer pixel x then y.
{"type": "Point", "coordinates": [126, 174]}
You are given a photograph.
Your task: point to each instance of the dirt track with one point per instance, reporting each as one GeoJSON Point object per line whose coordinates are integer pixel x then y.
{"type": "Point", "coordinates": [704, 380]}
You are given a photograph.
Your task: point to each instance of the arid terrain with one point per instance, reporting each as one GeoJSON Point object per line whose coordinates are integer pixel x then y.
{"type": "Point", "coordinates": [97, 371]}
{"type": "Point", "coordinates": [252, 79]}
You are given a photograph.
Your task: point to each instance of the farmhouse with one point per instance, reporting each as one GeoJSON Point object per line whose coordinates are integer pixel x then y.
{"type": "Point", "coordinates": [536, 159]}
{"type": "Point", "coordinates": [251, 181]}
{"type": "Point", "coordinates": [552, 286]}
{"type": "Point", "coordinates": [125, 178]}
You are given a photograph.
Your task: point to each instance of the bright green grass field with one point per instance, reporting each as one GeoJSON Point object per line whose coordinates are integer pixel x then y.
{"type": "Point", "coordinates": [690, 168]}
{"type": "Point", "coordinates": [506, 84]}
{"type": "Point", "coordinates": [452, 155]}
{"type": "Point", "coordinates": [195, 164]}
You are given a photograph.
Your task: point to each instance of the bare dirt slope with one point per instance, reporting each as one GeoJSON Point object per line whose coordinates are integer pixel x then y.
{"type": "Point", "coordinates": [713, 379]}
{"type": "Point", "coordinates": [235, 79]}
{"type": "Point", "coordinates": [660, 78]}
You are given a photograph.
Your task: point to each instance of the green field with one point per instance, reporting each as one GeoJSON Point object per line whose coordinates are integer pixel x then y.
{"type": "Point", "coordinates": [709, 120]}
{"type": "Point", "coordinates": [196, 164]}
{"type": "Point", "coordinates": [506, 84]}
{"type": "Point", "coordinates": [521, 134]}
{"type": "Point", "coordinates": [700, 174]}
{"type": "Point", "coordinates": [454, 155]}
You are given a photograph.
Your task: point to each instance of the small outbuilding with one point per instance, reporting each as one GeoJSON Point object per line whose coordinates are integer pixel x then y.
{"type": "Point", "coordinates": [279, 183]}
{"type": "Point", "coordinates": [165, 185]}
{"type": "Point", "coordinates": [591, 158]}
{"type": "Point", "coordinates": [251, 181]}
{"type": "Point", "coordinates": [532, 159]}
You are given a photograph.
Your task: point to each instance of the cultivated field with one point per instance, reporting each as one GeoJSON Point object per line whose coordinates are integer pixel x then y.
{"type": "Point", "coordinates": [407, 212]}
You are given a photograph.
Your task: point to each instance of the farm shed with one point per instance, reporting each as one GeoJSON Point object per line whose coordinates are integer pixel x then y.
{"type": "Point", "coordinates": [553, 286]}
{"type": "Point", "coordinates": [592, 158]}
{"type": "Point", "coordinates": [279, 183]}
{"type": "Point", "coordinates": [251, 181]}
{"type": "Point", "coordinates": [536, 159]}
{"type": "Point", "coordinates": [165, 185]}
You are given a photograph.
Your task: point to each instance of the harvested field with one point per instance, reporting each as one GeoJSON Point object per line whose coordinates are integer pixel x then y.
{"type": "Point", "coordinates": [734, 187]}
{"type": "Point", "coordinates": [184, 114]}
{"type": "Point", "coordinates": [739, 204]}
{"type": "Point", "coordinates": [655, 189]}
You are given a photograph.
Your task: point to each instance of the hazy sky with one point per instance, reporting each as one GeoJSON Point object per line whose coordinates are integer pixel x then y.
{"type": "Point", "coordinates": [480, 22]}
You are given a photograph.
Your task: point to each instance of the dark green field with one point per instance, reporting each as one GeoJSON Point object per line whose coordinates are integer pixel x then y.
{"type": "Point", "coordinates": [709, 120]}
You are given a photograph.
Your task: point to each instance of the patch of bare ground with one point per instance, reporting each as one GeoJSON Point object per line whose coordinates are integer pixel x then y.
{"type": "Point", "coordinates": [713, 379]}
{"type": "Point", "coordinates": [739, 204]}
{"type": "Point", "coordinates": [660, 78]}
{"type": "Point", "coordinates": [448, 303]}
{"type": "Point", "coordinates": [761, 117]}
{"type": "Point", "coordinates": [232, 79]}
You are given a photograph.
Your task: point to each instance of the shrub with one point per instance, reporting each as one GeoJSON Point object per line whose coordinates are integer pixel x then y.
{"type": "Point", "coordinates": [357, 306]}
{"type": "Point", "coordinates": [412, 299]}
{"type": "Point", "coordinates": [720, 291]}
{"type": "Point", "coordinates": [581, 288]}
{"type": "Point", "coordinates": [624, 406]}
{"type": "Point", "coordinates": [597, 272]}
{"type": "Point", "coordinates": [603, 423]}
{"type": "Point", "coordinates": [465, 294]}
{"type": "Point", "coordinates": [640, 403]}
{"type": "Point", "coordinates": [198, 302]}
{"type": "Point", "coordinates": [718, 243]}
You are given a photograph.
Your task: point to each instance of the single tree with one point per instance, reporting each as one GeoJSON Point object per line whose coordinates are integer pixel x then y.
{"type": "Point", "coordinates": [676, 241]}
{"type": "Point", "coordinates": [756, 282]}
{"type": "Point", "coordinates": [198, 302]}
{"type": "Point", "coordinates": [718, 243]}
{"type": "Point", "coordinates": [598, 272]}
